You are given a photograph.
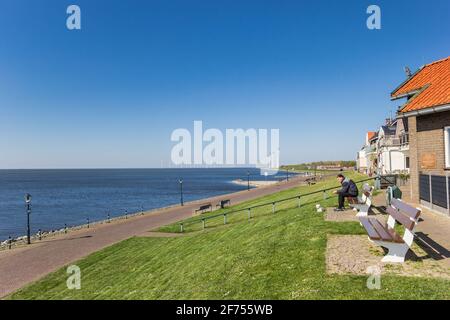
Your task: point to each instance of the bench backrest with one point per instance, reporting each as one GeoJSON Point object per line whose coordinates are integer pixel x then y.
{"type": "Point", "coordinates": [408, 210]}
{"type": "Point", "coordinates": [405, 215]}
{"type": "Point", "coordinates": [204, 207]}
{"type": "Point", "coordinates": [366, 197]}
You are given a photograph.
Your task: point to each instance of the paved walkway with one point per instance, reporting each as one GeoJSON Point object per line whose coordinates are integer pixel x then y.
{"type": "Point", "coordinates": [21, 266]}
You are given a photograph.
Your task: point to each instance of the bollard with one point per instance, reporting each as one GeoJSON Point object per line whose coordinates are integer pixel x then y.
{"type": "Point", "coordinates": [204, 225]}
{"type": "Point", "coordinates": [299, 204]}
{"type": "Point", "coordinates": [181, 227]}
{"type": "Point", "coordinates": [9, 242]}
{"type": "Point", "coordinates": [224, 219]}
{"type": "Point", "coordinates": [273, 207]}
{"type": "Point", "coordinates": [65, 228]}
{"type": "Point", "coordinates": [109, 218]}
{"type": "Point", "coordinates": [126, 214]}
{"type": "Point", "coordinates": [249, 213]}
{"type": "Point", "coordinates": [40, 234]}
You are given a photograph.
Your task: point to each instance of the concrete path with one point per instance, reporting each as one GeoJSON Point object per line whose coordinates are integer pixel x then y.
{"type": "Point", "coordinates": [21, 266]}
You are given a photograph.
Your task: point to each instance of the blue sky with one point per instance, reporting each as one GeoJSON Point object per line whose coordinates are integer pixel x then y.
{"type": "Point", "coordinates": [110, 95]}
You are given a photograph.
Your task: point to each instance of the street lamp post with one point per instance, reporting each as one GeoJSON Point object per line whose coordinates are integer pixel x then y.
{"type": "Point", "coordinates": [181, 192]}
{"type": "Point", "coordinates": [28, 205]}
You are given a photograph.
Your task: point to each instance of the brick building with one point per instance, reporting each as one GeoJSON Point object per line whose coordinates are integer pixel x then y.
{"type": "Point", "coordinates": [427, 110]}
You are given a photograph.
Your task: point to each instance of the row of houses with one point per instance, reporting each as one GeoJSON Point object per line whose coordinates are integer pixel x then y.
{"type": "Point", "coordinates": [417, 141]}
{"type": "Point", "coordinates": [385, 151]}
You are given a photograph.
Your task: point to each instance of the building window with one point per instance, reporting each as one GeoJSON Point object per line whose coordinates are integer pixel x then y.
{"type": "Point", "coordinates": [407, 162]}
{"type": "Point", "coordinates": [447, 146]}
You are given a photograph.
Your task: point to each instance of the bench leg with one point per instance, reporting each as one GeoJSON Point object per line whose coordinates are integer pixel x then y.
{"type": "Point", "coordinates": [396, 251]}
{"type": "Point", "coordinates": [363, 211]}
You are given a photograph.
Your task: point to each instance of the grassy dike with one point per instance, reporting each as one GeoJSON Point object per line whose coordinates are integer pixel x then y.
{"type": "Point", "coordinates": [271, 256]}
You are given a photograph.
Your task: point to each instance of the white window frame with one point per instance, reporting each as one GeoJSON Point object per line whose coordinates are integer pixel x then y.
{"type": "Point", "coordinates": [447, 147]}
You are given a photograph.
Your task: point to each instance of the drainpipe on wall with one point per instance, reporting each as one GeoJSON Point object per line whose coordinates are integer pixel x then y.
{"type": "Point", "coordinates": [390, 161]}
{"type": "Point", "coordinates": [448, 194]}
{"type": "Point", "coordinates": [431, 191]}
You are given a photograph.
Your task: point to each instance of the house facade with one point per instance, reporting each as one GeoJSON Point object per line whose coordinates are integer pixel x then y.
{"type": "Point", "coordinates": [385, 151]}
{"type": "Point", "coordinates": [426, 115]}
{"type": "Point", "coordinates": [392, 149]}
{"type": "Point", "coordinates": [365, 157]}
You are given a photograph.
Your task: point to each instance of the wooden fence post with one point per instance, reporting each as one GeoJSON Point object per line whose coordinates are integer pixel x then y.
{"type": "Point", "coordinates": [249, 213]}
{"type": "Point", "coordinates": [299, 204]}
{"type": "Point", "coordinates": [181, 227]}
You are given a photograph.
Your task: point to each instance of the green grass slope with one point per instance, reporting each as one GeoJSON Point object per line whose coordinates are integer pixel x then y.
{"type": "Point", "coordinates": [271, 256]}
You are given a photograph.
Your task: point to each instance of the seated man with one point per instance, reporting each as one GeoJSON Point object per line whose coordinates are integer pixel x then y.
{"type": "Point", "coordinates": [349, 189]}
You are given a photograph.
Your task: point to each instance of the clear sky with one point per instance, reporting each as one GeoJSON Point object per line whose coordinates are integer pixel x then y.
{"type": "Point", "coordinates": [110, 94]}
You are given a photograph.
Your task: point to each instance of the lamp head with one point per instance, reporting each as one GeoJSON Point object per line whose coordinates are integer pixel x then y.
{"type": "Point", "coordinates": [28, 198]}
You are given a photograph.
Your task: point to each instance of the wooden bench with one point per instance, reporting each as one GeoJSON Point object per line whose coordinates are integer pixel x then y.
{"type": "Point", "coordinates": [223, 203]}
{"type": "Point", "coordinates": [385, 236]}
{"type": "Point", "coordinates": [362, 204]}
{"type": "Point", "coordinates": [204, 207]}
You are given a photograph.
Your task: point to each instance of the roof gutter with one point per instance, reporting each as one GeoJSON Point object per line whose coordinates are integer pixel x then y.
{"type": "Point", "coordinates": [442, 108]}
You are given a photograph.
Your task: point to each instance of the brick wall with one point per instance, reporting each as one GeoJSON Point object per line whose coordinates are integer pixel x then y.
{"type": "Point", "coordinates": [426, 135]}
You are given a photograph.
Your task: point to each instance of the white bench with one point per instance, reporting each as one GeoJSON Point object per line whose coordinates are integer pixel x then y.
{"type": "Point", "coordinates": [385, 236]}
{"type": "Point", "coordinates": [364, 202]}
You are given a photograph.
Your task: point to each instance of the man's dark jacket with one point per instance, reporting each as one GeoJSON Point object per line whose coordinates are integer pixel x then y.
{"type": "Point", "coordinates": [349, 187]}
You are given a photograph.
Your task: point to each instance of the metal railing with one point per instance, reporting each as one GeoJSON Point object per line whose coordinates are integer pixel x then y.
{"type": "Point", "coordinates": [396, 141]}
{"type": "Point", "coordinates": [273, 203]}
{"type": "Point", "coordinates": [404, 139]}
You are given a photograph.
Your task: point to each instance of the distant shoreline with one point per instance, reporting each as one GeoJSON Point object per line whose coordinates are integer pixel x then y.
{"type": "Point", "coordinates": [255, 183]}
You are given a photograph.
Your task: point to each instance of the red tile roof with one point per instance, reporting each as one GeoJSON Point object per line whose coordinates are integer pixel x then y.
{"type": "Point", "coordinates": [370, 135]}
{"type": "Point", "coordinates": [430, 87]}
